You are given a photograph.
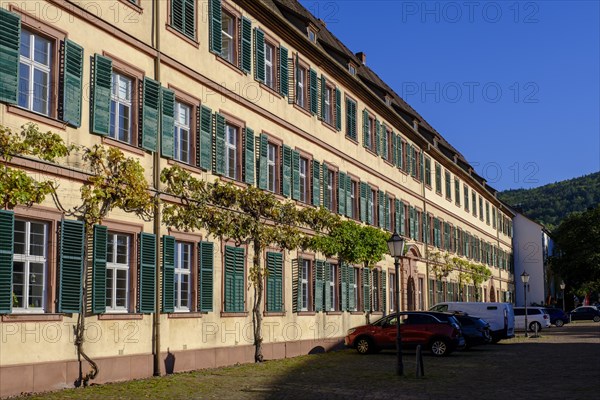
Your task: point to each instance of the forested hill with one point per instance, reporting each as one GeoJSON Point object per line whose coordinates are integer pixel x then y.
{"type": "Point", "coordinates": [549, 204]}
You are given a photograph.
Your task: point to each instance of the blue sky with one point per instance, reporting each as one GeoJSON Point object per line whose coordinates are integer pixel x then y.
{"type": "Point", "coordinates": [514, 86]}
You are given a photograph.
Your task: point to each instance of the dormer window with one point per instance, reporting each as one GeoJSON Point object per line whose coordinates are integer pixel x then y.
{"type": "Point", "coordinates": [352, 69]}
{"type": "Point", "coordinates": [415, 125]}
{"type": "Point", "coordinates": [312, 34]}
{"type": "Point", "coordinates": [388, 100]}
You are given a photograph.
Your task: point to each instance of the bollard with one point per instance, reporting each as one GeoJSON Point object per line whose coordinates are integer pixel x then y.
{"type": "Point", "coordinates": [420, 368]}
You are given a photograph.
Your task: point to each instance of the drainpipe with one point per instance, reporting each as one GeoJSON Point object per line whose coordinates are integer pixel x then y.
{"type": "Point", "coordinates": [426, 234]}
{"type": "Point", "coordinates": [156, 183]}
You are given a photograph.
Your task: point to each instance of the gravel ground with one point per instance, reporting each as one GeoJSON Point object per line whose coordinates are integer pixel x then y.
{"type": "Point", "coordinates": [563, 363]}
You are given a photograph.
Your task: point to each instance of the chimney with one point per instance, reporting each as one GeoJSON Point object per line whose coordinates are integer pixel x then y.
{"type": "Point", "coordinates": [362, 57]}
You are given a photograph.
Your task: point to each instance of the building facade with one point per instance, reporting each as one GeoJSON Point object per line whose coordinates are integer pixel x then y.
{"type": "Point", "coordinates": [252, 92]}
{"type": "Point", "coordinates": [532, 247]}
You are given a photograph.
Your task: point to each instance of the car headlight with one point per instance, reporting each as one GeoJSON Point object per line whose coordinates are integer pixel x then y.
{"type": "Point", "coordinates": [351, 331]}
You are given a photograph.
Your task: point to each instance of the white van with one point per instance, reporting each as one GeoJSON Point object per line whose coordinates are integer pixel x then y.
{"type": "Point", "coordinates": [500, 316]}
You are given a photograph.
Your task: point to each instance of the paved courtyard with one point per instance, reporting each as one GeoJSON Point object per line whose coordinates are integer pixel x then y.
{"type": "Point", "coordinates": [564, 363]}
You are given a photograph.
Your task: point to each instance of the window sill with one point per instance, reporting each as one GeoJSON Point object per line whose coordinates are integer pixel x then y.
{"type": "Point", "coordinates": [428, 186]}
{"type": "Point", "coordinates": [376, 312]}
{"type": "Point", "coordinates": [354, 141]}
{"type": "Point", "coordinates": [274, 313]}
{"type": "Point", "coordinates": [388, 162]}
{"type": "Point", "coordinates": [270, 90]}
{"type": "Point", "coordinates": [234, 314]}
{"type": "Point", "coordinates": [187, 167]}
{"type": "Point", "coordinates": [230, 65]}
{"type": "Point", "coordinates": [235, 182]}
{"type": "Point", "coordinates": [370, 151]}
{"type": "Point", "coordinates": [329, 126]}
{"type": "Point", "coordinates": [134, 7]}
{"type": "Point", "coordinates": [33, 116]}
{"type": "Point", "coordinates": [120, 317]}
{"type": "Point", "coordinates": [307, 313]}
{"type": "Point", "coordinates": [182, 36]}
{"type": "Point", "coordinates": [334, 313]}
{"type": "Point", "coordinates": [302, 109]}
{"type": "Point", "coordinates": [185, 314]}
{"type": "Point", "coordinates": [123, 146]}
{"type": "Point", "coordinates": [32, 317]}
{"type": "Point", "coordinates": [357, 312]}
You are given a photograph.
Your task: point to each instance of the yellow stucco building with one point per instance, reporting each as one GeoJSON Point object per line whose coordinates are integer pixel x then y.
{"type": "Point", "coordinates": [255, 92]}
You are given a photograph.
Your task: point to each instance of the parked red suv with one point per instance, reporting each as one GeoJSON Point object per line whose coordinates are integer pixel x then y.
{"type": "Point", "coordinates": [439, 332]}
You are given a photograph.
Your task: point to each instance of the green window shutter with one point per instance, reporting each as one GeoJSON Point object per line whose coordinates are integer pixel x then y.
{"type": "Point", "coordinates": [259, 55]}
{"type": "Point", "coordinates": [351, 293]}
{"type": "Point", "coordinates": [286, 182]}
{"type": "Point", "coordinates": [421, 166]}
{"type": "Point", "coordinates": [341, 193]}
{"type": "Point", "coordinates": [323, 95]}
{"type": "Point", "coordinates": [314, 106]}
{"type": "Point", "coordinates": [7, 229]}
{"type": "Point", "coordinates": [400, 155]}
{"type": "Point", "coordinates": [326, 202]}
{"type": "Point", "coordinates": [240, 288]}
{"type": "Point", "coordinates": [296, 75]}
{"type": "Point", "coordinates": [168, 274]}
{"type": "Point", "coordinates": [366, 132]}
{"type": "Point", "coordinates": [326, 280]}
{"type": "Point", "coordinates": [283, 71]}
{"type": "Point", "coordinates": [316, 183]}
{"type": "Point", "coordinates": [402, 219]}
{"type": "Point", "coordinates": [394, 159]}
{"type": "Point", "coordinates": [168, 122]}
{"type": "Point", "coordinates": [296, 175]}
{"type": "Point", "coordinates": [387, 212]}
{"type": "Point", "coordinates": [384, 291]}
{"type": "Point", "coordinates": [150, 110]}
{"type": "Point", "coordinates": [370, 199]}
{"type": "Point", "coordinates": [366, 284]}
{"type": "Point", "coordinates": [349, 204]}
{"type": "Point", "coordinates": [274, 282]}
{"type": "Point", "coordinates": [363, 201]}
{"type": "Point", "coordinates": [183, 17]}
{"type": "Point", "coordinates": [246, 45]}
{"type": "Point", "coordinates": [72, 83]}
{"type": "Point", "coordinates": [318, 273]}
{"type": "Point", "coordinates": [99, 269]}
{"type": "Point", "coordinates": [262, 162]}
{"type": "Point", "coordinates": [425, 226]}
{"type": "Point", "coordinates": [384, 142]}
{"type": "Point", "coordinates": [219, 154]}
{"type": "Point", "coordinates": [338, 109]}
{"type": "Point", "coordinates": [428, 173]}
{"type": "Point", "coordinates": [205, 276]}
{"type": "Point", "coordinates": [414, 161]}
{"type": "Point", "coordinates": [297, 284]}
{"type": "Point", "coordinates": [206, 139]}
{"type": "Point", "coordinates": [10, 43]}
{"type": "Point", "coordinates": [381, 208]}
{"type": "Point", "coordinates": [234, 279]}
{"type": "Point", "coordinates": [101, 89]}
{"type": "Point", "coordinates": [249, 164]}
{"type": "Point", "coordinates": [214, 10]}
{"type": "Point", "coordinates": [408, 159]}
{"type": "Point", "coordinates": [377, 137]}
{"type": "Point", "coordinates": [72, 242]}
{"type": "Point", "coordinates": [397, 206]}
{"type": "Point", "coordinates": [147, 270]}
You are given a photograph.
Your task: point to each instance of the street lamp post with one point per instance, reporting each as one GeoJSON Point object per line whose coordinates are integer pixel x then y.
{"type": "Point", "coordinates": [525, 280]}
{"type": "Point", "coordinates": [396, 247]}
{"type": "Point", "coordinates": [562, 287]}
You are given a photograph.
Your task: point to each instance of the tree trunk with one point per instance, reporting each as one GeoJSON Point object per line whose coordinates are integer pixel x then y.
{"type": "Point", "coordinates": [256, 309]}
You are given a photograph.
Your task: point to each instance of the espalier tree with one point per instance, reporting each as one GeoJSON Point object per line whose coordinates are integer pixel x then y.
{"type": "Point", "coordinates": [246, 216]}
{"type": "Point", "coordinates": [115, 182]}
{"type": "Point", "coordinates": [443, 264]}
{"type": "Point", "coordinates": [17, 187]}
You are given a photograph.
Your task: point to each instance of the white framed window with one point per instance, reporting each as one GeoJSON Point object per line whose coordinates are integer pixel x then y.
{"type": "Point", "coordinates": [352, 204]}
{"type": "Point", "coordinates": [228, 37]}
{"type": "Point", "coordinates": [331, 190]}
{"type": "Point", "coordinates": [272, 167]}
{"type": "Point", "coordinates": [351, 69]}
{"type": "Point", "coordinates": [270, 65]}
{"type": "Point", "coordinates": [303, 180]}
{"type": "Point", "coordinates": [231, 145]}
{"type": "Point", "coordinates": [301, 85]}
{"type": "Point", "coordinates": [332, 286]}
{"type": "Point", "coordinates": [304, 287]}
{"type": "Point", "coordinates": [29, 266]}
{"type": "Point", "coordinates": [121, 108]}
{"type": "Point", "coordinates": [117, 272]}
{"type": "Point", "coordinates": [35, 77]}
{"type": "Point", "coordinates": [182, 138]}
{"type": "Point", "coordinates": [183, 276]}
{"type": "Point", "coordinates": [328, 115]}
{"type": "Point", "coordinates": [373, 205]}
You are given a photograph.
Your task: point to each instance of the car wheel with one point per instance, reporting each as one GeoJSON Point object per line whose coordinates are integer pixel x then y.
{"type": "Point", "coordinates": [364, 345]}
{"type": "Point", "coordinates": [559, 323]}
{"type": "Point", "coordinates": [439, 347]}
{"type": "Point", "coordinates": [597, 318]}
{"type": "Point", "coordinates": [535, 325]}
